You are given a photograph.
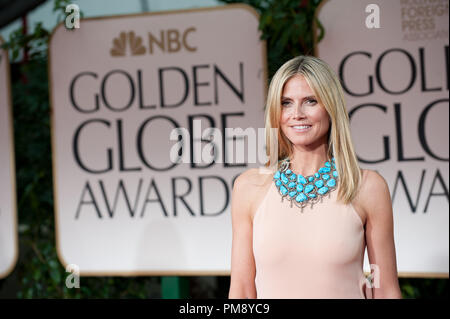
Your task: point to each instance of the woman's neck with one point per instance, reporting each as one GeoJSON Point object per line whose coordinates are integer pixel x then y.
{"type": "Point", "coordinates": [308, 162]}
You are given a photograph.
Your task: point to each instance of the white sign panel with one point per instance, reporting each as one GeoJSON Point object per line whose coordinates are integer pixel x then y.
{"type": "Point", "coordinates": [119, 87]}
{"type": "Point", "coordinates": [392, 58]}
{"type": "Point", "coordinates": [8, 215]}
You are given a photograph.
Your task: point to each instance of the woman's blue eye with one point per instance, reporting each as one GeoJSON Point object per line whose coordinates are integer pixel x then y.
{"type": "Point", "coordinates": [310, 101]}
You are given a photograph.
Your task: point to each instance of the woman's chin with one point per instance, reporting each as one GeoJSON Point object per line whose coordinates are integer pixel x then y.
{"type": "Point", "coordinates": [300, 142]}
{"type": "Point", "coordinates": [305, 142]}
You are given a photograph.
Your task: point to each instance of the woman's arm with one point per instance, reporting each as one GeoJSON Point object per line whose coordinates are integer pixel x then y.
{"type": "Point", "coordinates": [243, 271]}
{"type": "Point", "coordinates": [380, 237]}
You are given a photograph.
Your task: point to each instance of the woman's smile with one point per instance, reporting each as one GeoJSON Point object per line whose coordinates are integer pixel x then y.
{"type": "Point", "coordinates": [301, 128]}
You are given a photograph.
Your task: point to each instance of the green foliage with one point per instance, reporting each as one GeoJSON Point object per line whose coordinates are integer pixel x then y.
{"type": "Point", "coordinates": [38, 269]}
{"type": "Point", "coordinates": [35, 42]}
{"type": "Point", "coordinates": [286, 25]}
{"type": "Point", "coordinates": [37, 261]}
{"type": "Point", "coordinates": [417, 288]}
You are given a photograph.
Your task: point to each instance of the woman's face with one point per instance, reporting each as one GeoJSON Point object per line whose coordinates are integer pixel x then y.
{"type": "Point", "coordinates": [299, 106]}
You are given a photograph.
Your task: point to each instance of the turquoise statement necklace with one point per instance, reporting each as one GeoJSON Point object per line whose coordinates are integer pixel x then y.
{"type": "Point", "coordinates": [303, 190]}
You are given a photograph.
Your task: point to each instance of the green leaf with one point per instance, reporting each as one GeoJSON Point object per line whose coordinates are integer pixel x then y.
{"type": "Point", "coordinates": [55, 275]}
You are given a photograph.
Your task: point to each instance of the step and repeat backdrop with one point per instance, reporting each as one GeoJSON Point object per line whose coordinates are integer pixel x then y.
{"type": "Point", "coordinates": [139, 102]}
{"type": "Point", "coordinates": [392, 58]}
{"type": "Point", "coordinates": [8, 214]}
{"type": "Point", "coordinates": [130, 93]}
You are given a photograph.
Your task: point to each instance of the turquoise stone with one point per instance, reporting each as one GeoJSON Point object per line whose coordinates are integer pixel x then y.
{"type": "Point", "coordinates": [304, 188]}
{"type": "Point", "coordinates": [301, 197]}
{"type": "Point", "coordinates": [301, 179]}
{"type": "Point", "coordinates": [308, 188]}
{"type": "Point", "coordinates": [331, 182]}
{"type": "Point", "coordinates": [324, 170]}
{"type": "Point", "coordinates": [284, 179]}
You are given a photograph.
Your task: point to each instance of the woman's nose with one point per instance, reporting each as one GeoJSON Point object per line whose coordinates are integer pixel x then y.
{"type": "Point", "coordinates": [298, 112]}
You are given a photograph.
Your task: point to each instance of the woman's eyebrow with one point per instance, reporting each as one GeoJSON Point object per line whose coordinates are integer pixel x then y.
{"type": "Point", "coordinates": [305, 98]}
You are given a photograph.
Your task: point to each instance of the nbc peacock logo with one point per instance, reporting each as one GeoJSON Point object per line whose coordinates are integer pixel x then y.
{"type": "Point", "coordinates": [165, 41]}
{"type": "Point", "coordinates": [119, 47]}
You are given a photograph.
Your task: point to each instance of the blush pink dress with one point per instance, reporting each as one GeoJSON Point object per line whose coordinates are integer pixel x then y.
{"type": "Point", "coordinates": [315, 254]}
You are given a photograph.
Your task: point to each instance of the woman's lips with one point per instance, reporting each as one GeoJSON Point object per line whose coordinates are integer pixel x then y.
{"type": "Point", "coordinates": [297, 128]}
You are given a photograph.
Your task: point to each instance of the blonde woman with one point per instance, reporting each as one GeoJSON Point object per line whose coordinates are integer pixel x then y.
{"type": "Point", "coordinates": [301, 231]}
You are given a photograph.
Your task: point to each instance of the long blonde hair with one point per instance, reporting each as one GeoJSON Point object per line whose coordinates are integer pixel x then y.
{"type": "Point", "coordinates": [328, 90]}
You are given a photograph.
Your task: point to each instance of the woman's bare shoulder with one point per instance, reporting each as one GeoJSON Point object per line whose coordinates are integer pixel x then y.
{"type": "Point", "coordinates": [249, 187]}
{"type": "Point", "coordinates": [372, 183]}
{"type": "Point", "coordinates": [359, 200]}
{"type": "Point", "coordinates": [254, 177]}
{"type": "Point", "coordinates": [371, 178]}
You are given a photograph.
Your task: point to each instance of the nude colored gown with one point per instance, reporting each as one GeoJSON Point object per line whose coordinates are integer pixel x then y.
{"type": "Point", "coordinates": [315, 254]}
